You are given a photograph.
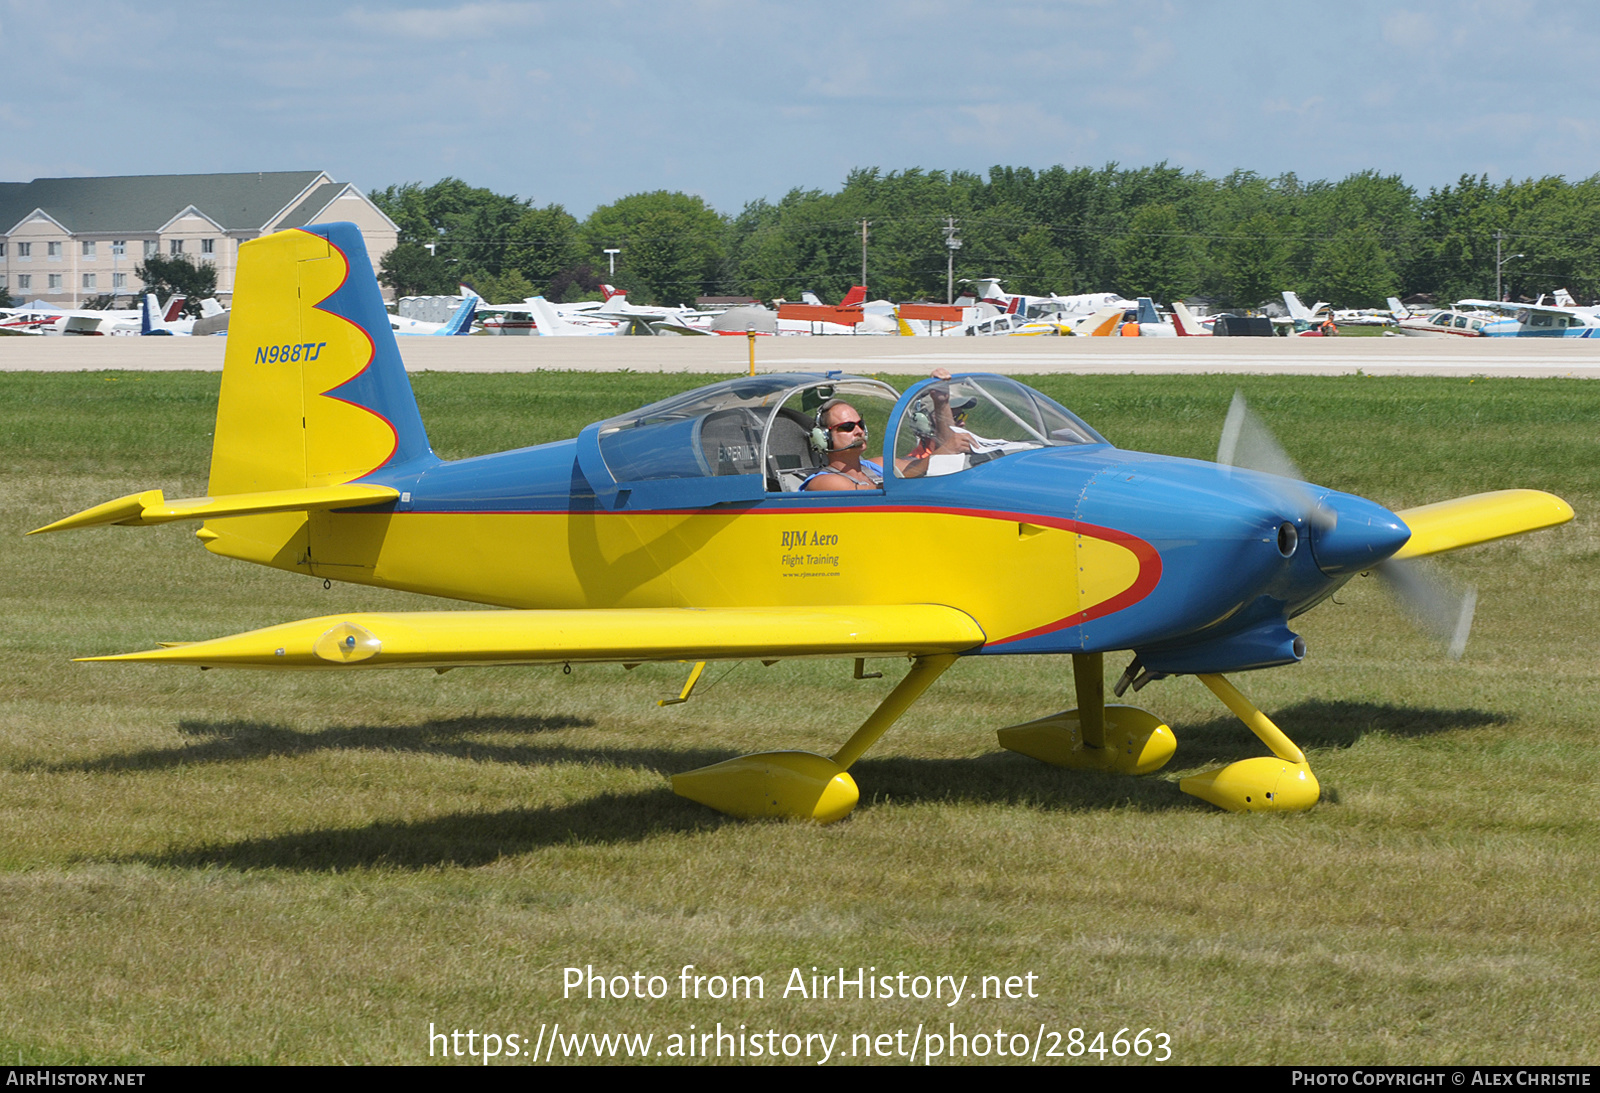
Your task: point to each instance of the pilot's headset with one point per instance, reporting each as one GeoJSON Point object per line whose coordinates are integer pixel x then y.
{"type": "Point", "coordinates": [821, 441]}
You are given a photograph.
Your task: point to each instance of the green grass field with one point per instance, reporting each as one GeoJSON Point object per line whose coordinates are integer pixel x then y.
{"type": "Point", "coordinates": [249, 867]}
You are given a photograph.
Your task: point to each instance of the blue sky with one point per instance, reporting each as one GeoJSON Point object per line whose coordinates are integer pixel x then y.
{"type": "Point", "coordinates": [583, 103]}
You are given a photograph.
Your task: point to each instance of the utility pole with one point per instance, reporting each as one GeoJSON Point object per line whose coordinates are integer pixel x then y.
{"type": "Point", "coordinates": [952, 244]}
{"type": "Point", "coordinates": [1498, 262]}
{"type": "Point", "coordinates": [864, 224]}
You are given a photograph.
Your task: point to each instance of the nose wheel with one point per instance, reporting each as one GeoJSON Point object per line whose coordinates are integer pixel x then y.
{"type": "Point", "coordinates": [1281, 783]}
{"type": "Point", "coordinates": [1127, 740]}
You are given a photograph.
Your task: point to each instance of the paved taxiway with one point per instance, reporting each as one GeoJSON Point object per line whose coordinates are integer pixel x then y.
{"type": "Point", "coordinates": [906, 356]}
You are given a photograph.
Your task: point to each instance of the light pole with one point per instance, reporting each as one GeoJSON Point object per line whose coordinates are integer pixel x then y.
{"type": "Point", "coordinates": [864, 224]}
{"type": "Point", "coordinates": [952, 244]}
{"type": "Point", "coordinates": [611, 256]}
{"type": "Point", "coordinates": [1499, 262]}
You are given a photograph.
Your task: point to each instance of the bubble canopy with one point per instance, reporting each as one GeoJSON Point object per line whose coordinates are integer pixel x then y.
{"type": "Point", "coordinates": [752, 436]}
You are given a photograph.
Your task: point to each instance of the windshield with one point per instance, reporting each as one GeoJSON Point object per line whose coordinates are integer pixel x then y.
{"type": "Point", "coordinates": [953, 425]}
{"type": "Point", "coordinates": [752, 425]}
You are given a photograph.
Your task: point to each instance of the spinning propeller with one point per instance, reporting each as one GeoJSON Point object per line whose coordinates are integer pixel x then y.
{"type": "Point", "coordinates": [1439, 610]}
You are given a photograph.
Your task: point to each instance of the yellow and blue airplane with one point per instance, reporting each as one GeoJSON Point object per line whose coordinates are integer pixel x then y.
{"type": "Point", "coordinates": [681, 532]}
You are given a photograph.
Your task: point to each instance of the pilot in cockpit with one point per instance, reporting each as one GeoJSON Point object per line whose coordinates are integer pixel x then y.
{"type": "Point", "coordinates": [840, 437]}
{"type": "Point", "coordinates": [937, 423]}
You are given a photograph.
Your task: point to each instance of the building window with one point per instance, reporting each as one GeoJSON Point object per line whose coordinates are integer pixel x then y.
{"type": "Point", "coordinates": [53, 250]}
{"type": "Point", "coordinates": [25, 251]}
{"type": "Point", "coordinates": [119, 247]}
{"type": "Point", "coordinates": [88, 248]}
{"type": "Point", "coordinates": [88, 280]}
{"type": "Point", "coordinates": [119, 280]}
{"type": "Point", "coordinates": [55, 282]}
{"type": "Point", "coordinates": [150, 248]}
{"type": "Point", "coordinates": [175, 246]}
{"type": "Point", "coordinates": [24, 281]}
{"type": "Point", "coordinates": [2, 250]}
{"type": "Point", "coordinates": [208, 246]}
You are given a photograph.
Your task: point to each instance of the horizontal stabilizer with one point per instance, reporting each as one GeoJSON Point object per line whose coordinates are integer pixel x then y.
{"type": "Point", "coordinates": [151, 507]}
{"type": "Point", "coordinates": [1481, 518]}
{"type": "Point", "coordinates": [446, 639]}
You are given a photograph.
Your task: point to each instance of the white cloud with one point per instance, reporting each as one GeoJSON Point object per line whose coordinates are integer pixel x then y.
{"type": "Point", "coordinates": [474, 20]}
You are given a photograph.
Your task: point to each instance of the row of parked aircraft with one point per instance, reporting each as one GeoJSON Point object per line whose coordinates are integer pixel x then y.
{"type": "Point", "coordinates": [986, 310]}
{"type": "Point", "coordinates": [1559, 317]}
{"type": "Point", "coordinates": [150, 317]}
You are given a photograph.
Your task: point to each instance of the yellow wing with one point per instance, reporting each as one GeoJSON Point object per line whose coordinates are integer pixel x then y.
{"type": "Point", "coordinates": [448, 639]}
{"type": "Point", "coordinates": [1481, 518]}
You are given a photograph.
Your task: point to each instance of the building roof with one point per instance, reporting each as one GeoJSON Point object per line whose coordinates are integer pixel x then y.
{"type": "Point", "coordinates": [315, 201]}
{"type": "Point", "coordinates": [145, 203]}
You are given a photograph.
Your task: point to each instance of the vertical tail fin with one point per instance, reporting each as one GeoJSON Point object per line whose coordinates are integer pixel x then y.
{"type": "Point", "coordinates": [1185, 322]}
{"type": "Point", "coordinates": [461, 321]}
{"type": "Point", "coordinates": [857, 295]}
{"type": "Point", "coordinates": [174, 309]}
{"type": "Point", "coordinates": [313, 389]}
{"type": "Point", "coordinates": [1103, 323]}
{"type": "Point", "coordinates": [545, 319]}
{"type": "Point", "coordinates": [1297, 310]}
{"type": "Point", "coordinates": [990, 292]}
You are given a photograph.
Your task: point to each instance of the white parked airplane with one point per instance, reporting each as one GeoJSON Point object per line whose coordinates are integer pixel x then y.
{"type": "Point", "coordinates": [153, 320]}
{"type": "Point", "coordinates": [459, 323]}
{"type": "Point", "coordinates": [42, 318]}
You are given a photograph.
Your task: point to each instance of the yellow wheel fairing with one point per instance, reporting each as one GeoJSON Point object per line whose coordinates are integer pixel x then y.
{"type": "Point", "coordinates": [1017, 578]}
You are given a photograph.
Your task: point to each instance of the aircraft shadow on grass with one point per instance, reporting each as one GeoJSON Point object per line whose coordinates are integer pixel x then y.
{"type": "Point", "coordinates": [478, 838]}
{"type": "Point", "coordinates": [233, 741]}
{"type": "Point", "coordinates": [1328, 724]}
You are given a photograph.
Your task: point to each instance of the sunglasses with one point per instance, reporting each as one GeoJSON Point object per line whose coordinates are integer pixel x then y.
{"type": "Point", "coordinates": [848, 426]}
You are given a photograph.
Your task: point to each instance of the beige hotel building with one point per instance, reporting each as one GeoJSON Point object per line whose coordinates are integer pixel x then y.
{"type": "Point", "coordinates": [69, 240]}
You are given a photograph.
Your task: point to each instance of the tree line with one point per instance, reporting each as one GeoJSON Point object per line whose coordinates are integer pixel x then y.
{"type": "Point", "coordinates": [1150, 231]}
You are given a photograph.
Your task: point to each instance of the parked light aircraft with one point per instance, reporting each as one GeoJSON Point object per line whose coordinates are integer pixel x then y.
{"type": "Point", "coordinates": [1536, 320]}
{"type": "Point", "coordinates": [41, 318]}
{"type": "Point", "coordinates": [653, 319]}
{"type": "Point", "coordinates": [1313, 322]}
{"type": "Point", "coordinates": [458, 325]}
{"type": "Point", "coordinates": [1447, 322]}
{"type": "Point", "coordinates": [677, 532]}
{"type": "Point", "coordinates": [1187, 325]}
{"type": "Point", "coordinates": [517, 318]}
{"type": "Point", "coordinates": [152, 322]}
{"type": "Point", "coordinates": [812, 316]}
